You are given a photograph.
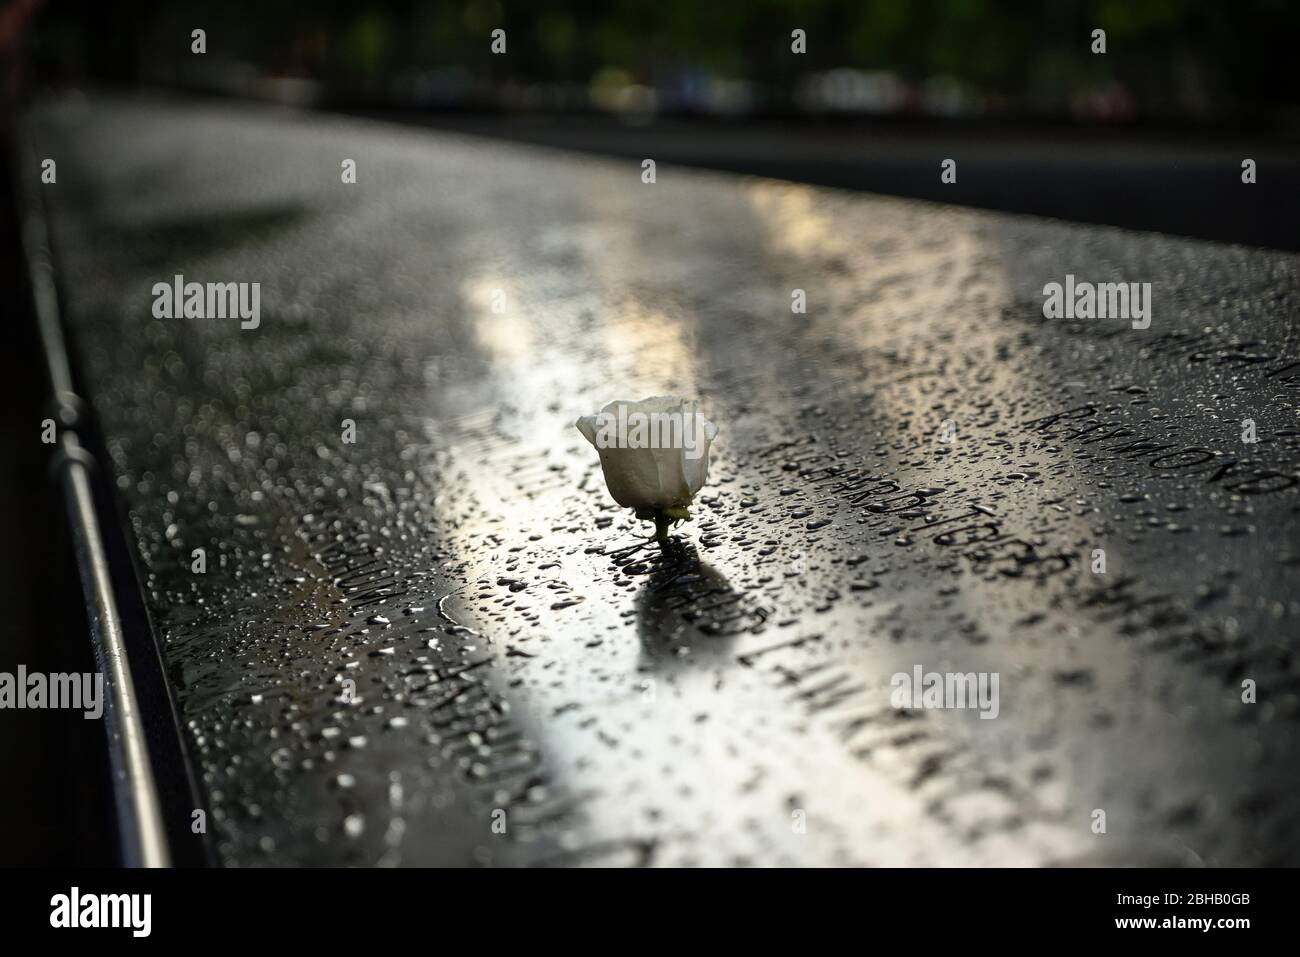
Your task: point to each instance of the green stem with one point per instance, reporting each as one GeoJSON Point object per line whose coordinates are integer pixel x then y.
{"type": "Point", "coordinates": [664, 519]}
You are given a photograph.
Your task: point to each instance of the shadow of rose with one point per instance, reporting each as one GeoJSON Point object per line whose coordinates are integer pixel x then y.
{"type": "Point", "coordinates": [687, 611]}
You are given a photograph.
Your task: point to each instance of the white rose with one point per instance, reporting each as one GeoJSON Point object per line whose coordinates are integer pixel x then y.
{"type": "Point", "coordinates": [654, 453]}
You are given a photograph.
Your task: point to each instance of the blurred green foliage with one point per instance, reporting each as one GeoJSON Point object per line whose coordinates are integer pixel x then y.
{"type": "Point", "coordinates": [1175, 57]}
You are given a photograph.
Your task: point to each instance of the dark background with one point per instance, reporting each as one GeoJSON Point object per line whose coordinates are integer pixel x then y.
{"type": "Point", "coordinates": [1167, 60]}
{"type": "Point", "coordinates": [887, 89]}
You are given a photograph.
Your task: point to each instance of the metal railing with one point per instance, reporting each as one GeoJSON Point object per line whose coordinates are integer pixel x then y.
{"type": "Point", "coordinates": [142, 836]}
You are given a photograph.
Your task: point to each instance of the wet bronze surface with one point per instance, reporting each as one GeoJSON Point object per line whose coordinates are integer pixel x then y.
{"type": "Point", "coordinates": [516, 644]}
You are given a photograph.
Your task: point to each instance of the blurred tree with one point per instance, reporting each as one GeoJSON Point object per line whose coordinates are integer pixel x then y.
{"type": "Point", "coordinates": [1172, 58]}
